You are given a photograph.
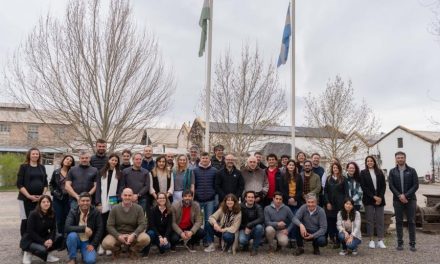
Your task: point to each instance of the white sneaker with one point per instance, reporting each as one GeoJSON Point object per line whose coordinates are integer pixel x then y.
{"type": "Point", "coordinates": [371, 244]}
{"type": "Point", "coordinates": [52, 258]}
{"type": "Point", "coordinates": [27, 258]}
{"type": "Point", "coordinates": [354, 252]}
{"type": "Point", "coordinates": [100, 250]}
{"type": "Point", "coordinates": [343, 252]}
{"type": "Point", "coordinates": [380, 244]}
{"type": "Point", "coordinates": [210, 248]}
{"type": "Point", "coordinates": [108, 252]}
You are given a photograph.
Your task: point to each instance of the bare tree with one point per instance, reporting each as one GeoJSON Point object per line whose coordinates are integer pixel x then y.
{"type": "Point", "coordinates": [94, 70]}
{"type": "Point", "coordinates": [246, 99]}
{"type": "Point", "coordinates": [343, 123]}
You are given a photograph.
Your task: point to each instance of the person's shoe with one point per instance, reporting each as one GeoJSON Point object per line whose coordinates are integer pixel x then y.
{"type": "Point", "coordinates": [244, 248]}
{"type": "Point", "coordinates": [354, 252]}
{"type": "Point", "coordinates": [108, 253]}
{"type": "Point", "coordinates": [336, 246]}
{"type": "Point", "coordinates": [399, 247]}
{"type": "Point", "coordinates": [206, 244]}
{"type": "Point", "coordinates": [254, 252]}
{"type": "Point", "coordinates": [271, 250]}
{"type": "Point", "coordinates": [101, 251]}
{"type": "Point", "coordinates": [71, 261]}
{"type": "Point", "coordinates": [316, 251]}
{"type": "Point", "coordinates": [52, 258]}
{"type": "Point", "coordinates": [372, 244]}
{"type": "Point", "coordinates": [173, 248]}
{"type": "Point", "coordinates": [27, 257]}
{"type": "Point", "coordinates": [146, 251]}
{"type": "Point", "coordinates": [115, 254]}
{"type": "Point", "coordinates": [210, 248]}
{"type": "Point", "coordinates": [343, 252]}
{"type": "Point", "coordinates": [380, 244]}
{"type": "Point", "coordinates": [413, 248]}
{"type": "Point", "coordinates": [299, 251]}
{"type": "Point", "coordinates": [278, 248]}
{"type": "Point", "coordinates": [133, 255]}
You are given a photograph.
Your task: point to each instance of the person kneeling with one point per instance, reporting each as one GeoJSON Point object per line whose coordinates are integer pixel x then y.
{"type": "Point", "coordinates": [160, 228]}
{"type": "Point", "coordinates": [349, 227]}
{"type": "Point", "coordinates": [226, 222]}
{"type": "Point", "coordinates": [252, 221]}
{"type": "Point", "coordinates": [312, 226]}
{"type": "Point", "coordinates": [40, 236]}
{"type": "Point", "coordinates": [126, 226]}
{"type": "Point", "coordinates": [84, 228]}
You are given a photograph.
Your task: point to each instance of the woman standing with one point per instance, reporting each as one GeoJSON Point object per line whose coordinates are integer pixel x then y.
{"type": "Point", "coordinates": [40, 237]}
{"type": "Point", "coordinates": [61, 204]}
{"type": "Point", "coordinates": [160, 225]}
{"type": "Point", "coordinates": [349, 227]}
{"type": "Point", "coordinates": [335, 192]}
{"type": "Point", "coordinates": [373, 187]}
{"type": "Point", "coordinates": [107, 186]}
{"type": "Point", "coordinates": [31, 183]}
{"type": "Point", "coordinates": [354, 184]}
{"type": "Point", "coordinates": [300, 158]}
{"type": "Point", "coordinates": [161, 180]}
{"type": "Point", "coordinates": [291, 186]}
{"type": "Point", "coordinates": [226, 222]}
{"type": "Point", "coordinates": [182, 177]}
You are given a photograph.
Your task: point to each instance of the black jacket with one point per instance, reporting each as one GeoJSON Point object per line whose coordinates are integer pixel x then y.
{"type": "Point", "coordinates": [368, 187]}
{"type": "Point", "coordinates": [335, 193]}
{"type": "Point", "coordinates": [283, 187]}
{"type": "Point", "coordinates": [251, 216]}
{"type": "Point", "coordinates": [39, 229]}
{"type": "Point", "coordinates": [55, 187]}
{"type": "Point", "coordinates": [410, 183]}
{"type": "Point", "coordinates": [33, 179]}
{"type": "Point", "coordinates": [94, 222]}
{"type": "Point", "coordinates": [161, 223]}
{"type": "Point", "coordinates": [229, 182]}
{"type": "Point", "coordinates": [218, 164]}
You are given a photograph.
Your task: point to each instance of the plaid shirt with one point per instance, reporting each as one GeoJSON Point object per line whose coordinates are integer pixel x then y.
{"type": "Point", "coordinates": [355, 191]}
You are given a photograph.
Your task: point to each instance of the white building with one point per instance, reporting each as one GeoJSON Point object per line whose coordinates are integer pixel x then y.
{"type": "Point", "coordinates": [421, 148]}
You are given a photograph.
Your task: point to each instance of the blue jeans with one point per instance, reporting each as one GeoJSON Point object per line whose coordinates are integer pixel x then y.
{"type": "Point", "coordinates": [155, 240]}
{"type": "Point", "coordinates": [354, 243]}
{"type": "Point", "coordinates": [208, 210]}
{"type": "Point", "coordinates": [256, 234]}
{"type": "Point", "coordinates": [320, 241]}
{"type": "Point", "coordinates": [61, 208]}
{"type": "Point", "coordinates": [227, 237]}
{"type": "Point", "coordinates": [74, 243]}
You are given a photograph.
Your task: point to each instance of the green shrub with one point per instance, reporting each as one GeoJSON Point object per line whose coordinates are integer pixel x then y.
{"type": "Point", "coordinates": [9, 164]}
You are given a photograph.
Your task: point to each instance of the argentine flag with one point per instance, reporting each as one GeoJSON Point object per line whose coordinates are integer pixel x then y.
{"type": "Point", "coordinates": [287, 32]}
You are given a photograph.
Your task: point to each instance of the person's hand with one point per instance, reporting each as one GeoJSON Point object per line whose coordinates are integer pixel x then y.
{"type": "Point", "coordinates": [346, 235]}
{"type": "Point", "coordinates": [165, 241]}
{"type": "Point", "coordinates": [349, 240]}
{"type": "Point", "coordinates": [291, 201]}
{"type": "Point", "coordinates": [48, 243]}
{"type": "Point", "coordinates": [34, 198]}
{"type": "Point", "coordinates": [284, 231]}
{"type": "Point", "coordinates": [88, 232]}
{"type": "Point", "coordinates": [131, 238]}
{"type": "Point", "coordinates": [303, 231]}
{"type": "Point", "coordinates": [217, 228]}
{"type": "Point", "coordinates": [257, 199]}
{"type": "Point", "coordinates": [189, 234]}
{"type": "Point", "coordinates": [77, 198]}
{"type": "Point", "coordinates": [308, 237]}
{"type": "Point", "coordinates": [155, 196]}
{"type": "Point", "coordinates": [90, 248]}
{"type": "Point", "coordinates": [134, 198]}
{"type": "Point", "coordinates": [281, 225]}
{"type": "Point", "coordinates": [122, 239]}
{"type": "Point", "coordinates": [99, 208]}
{"type": "Point", "coordinates": [184, 235]}
{"type": "Point", "coordinates": [247, 231]}
{"type": "Point", "coordinates": [403, 199]}
{"type": "Point", "coordinates": [329, 206]}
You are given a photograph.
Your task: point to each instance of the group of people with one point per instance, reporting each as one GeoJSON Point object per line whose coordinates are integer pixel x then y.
{"type": "Point", "coordinates": [108, 204]}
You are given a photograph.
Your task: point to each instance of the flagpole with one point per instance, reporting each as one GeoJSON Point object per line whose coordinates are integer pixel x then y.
{"type": "Point", "coordinates": [208, 76]}
{"type": "Point", "coordinates": [292, 59]}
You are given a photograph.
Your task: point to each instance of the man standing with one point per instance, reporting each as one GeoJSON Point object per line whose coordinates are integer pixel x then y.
{"type": "Point", "coordinates": [81, 178]}
{"type": "Point", "coordinates": [218, 161]}
{"type": "Point", "coordinates": [148, 162]}
{"type": "Point", "coordinates": [404, 183]}
{"type": "Point", "coordinates": [311, 225]}
{"type": "Point", "coordinates": [126, 227]}
{"type": "Point", "coordinates": [126, 157]}
{"type": "Point", "coordinates": [84, 228]}
{"type": "Point", "coordinates": [252, 221]}
{"type": "Point", "coordinates": [170, 160]}
{"type": "Point", "coordinates": [187, 222]}
{"type": "Point", "coordinates": [279, 221]}
{"type": "Point", "coordinates": [138, 180]}
{"type": "Point", "coordinates": [273, 175]}
{"type": "Point", "coordinates": [100, 158]}
{"type": "Point", "coordinates": [320, 171]}
{"type": "Point", "coordinates": [255, 179]}
{"type": "Point", "coordinates": [204, 183]}
{"type": "Point", "coordinates": [193, 157]}
{"type": "Point", "coordinates": [229, 180]}
{"type": "Point", "coordinates": [311, 181]}
{"type": "Point", "coordinates": [259, 157]}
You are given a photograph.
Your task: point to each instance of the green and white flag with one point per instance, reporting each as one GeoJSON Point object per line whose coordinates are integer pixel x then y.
{"type": "Point", "coordinates": [203, 23]}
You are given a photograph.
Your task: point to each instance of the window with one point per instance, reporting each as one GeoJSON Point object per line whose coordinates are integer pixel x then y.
{"type": "Point", "coordinates": [32, 133]}
{"type": "Point", "coordinates": [5, 127]}
{"type": "Point", "coordinates": [400, 142]}
{"type": "Point", "coordinates": [59, 132]}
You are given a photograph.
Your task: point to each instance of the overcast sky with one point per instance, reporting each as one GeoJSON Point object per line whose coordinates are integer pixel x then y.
{"type": "Point", "coordinates": [383, 46]}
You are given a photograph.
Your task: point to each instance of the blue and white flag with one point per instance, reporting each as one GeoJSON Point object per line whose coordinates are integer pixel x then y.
{"type": "Point", "coordinates": [287, 32]}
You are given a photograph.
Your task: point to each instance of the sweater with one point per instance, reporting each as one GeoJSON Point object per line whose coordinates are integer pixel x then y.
{"type": "Point", "coordinates": [355, 225]}
{"type": "Point", "coordinates": [121, 222]}
{"type": "Point", "coordinates": [204, 181]}
{"type": "Point", "coordinates": [251, 216]}
{"type": "Point", "coordinates": [137, 180]}
{"type": "Point", "coordinates": [40, 227]}
{"type": "Point", "coordinates": [229, 182]}
{"type": "Point", "coordinates": [255, 180]}
{"type": "Point", "coordinates": [315, 223]}
{"type": "Point", "coordinates": [196, 217]}
{"type": "Point", "coordinates": [219, 218]}
{"type": "Point", "coordinates": [33, 179]}
{"type": "Point", "coordinates": [272, 216]}
{"type": "Point", "coordinates": [83, 178]}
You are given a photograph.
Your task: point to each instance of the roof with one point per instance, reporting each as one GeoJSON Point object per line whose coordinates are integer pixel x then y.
{"type": "Point", "coordinates": [166, 136]}
{"type": "Point", "coordinates": [429, 136]}
{"type": "Point", "coordinates": [20, 113]}
{"type": "Point", "coordinates": [278, 149]}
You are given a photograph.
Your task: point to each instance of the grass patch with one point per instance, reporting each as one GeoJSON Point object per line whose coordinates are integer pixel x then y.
{"type": "Point", "coordinates": [8, 188]}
